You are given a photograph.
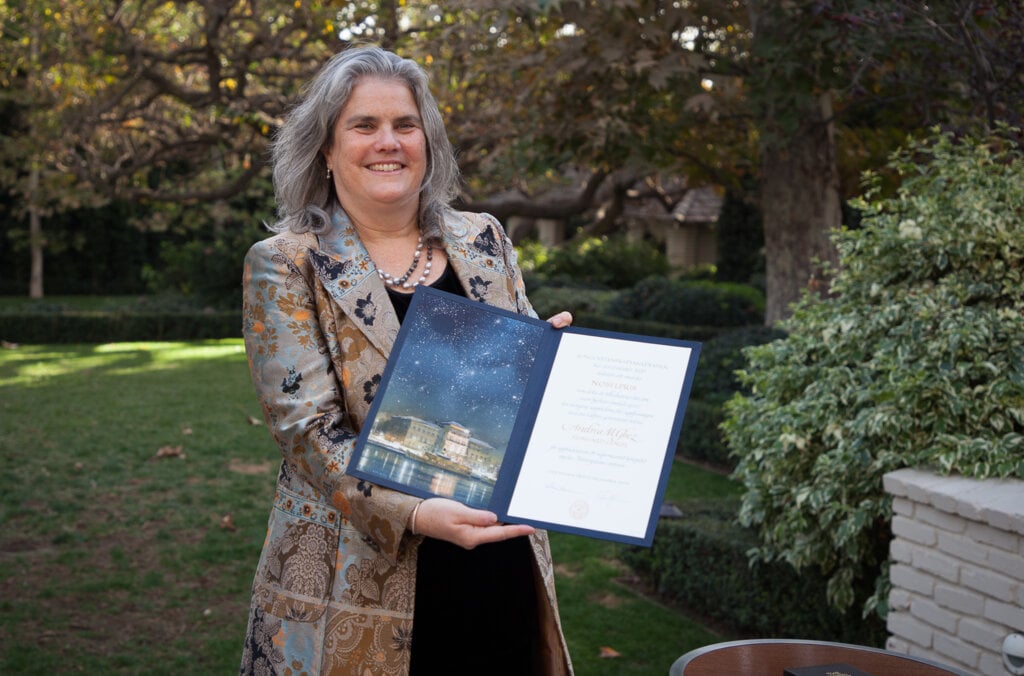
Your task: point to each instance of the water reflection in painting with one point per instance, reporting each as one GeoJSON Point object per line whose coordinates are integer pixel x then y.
{"type": "Point", "coordinates": [409, 471]}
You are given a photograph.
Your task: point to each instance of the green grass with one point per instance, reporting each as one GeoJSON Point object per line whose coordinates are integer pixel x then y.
{"type": "Point", "coordinates": [114, 561]}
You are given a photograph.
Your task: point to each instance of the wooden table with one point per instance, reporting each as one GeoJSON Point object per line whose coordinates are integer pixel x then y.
{"type": "Point", "coordinates": [770, 657]}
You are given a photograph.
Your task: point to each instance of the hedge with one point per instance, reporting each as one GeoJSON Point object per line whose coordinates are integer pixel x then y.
{"type": "Point", "coordinates": [645, 328]}
{"type": "Point", "coordinates": [108, 327]}
{"type": "Point", "coordinates": [700, 562]}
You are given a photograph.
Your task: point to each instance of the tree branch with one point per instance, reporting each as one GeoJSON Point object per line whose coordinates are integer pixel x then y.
{"type": "Point", "coordinates": [557, 206]}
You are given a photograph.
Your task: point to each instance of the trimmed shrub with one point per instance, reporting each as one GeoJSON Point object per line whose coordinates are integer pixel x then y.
{"type": "Point", "coordinates": [701, 563]}
{"type": "Point", "coordinates": [644, 328]}
{"type": "Point", "coordinates": [721, 357]}
{"type": "Point", "coordinates": [106, 327]}
{"type": "Point", "coordinates": [690, 302]}
{"type": "Point", "coordinates": [91, 250]}
{"type": "Point", "coordinates": [609, 262]}
{"type": "Point", "coordinates": [701, 437]}
{"type": "Point", "coordinates": [206, 268]}
{"type": "Point", "coordinates": [549, 299]}
{"type": "Point", "coordinates": [916, 360]}
{"type": "Point", "coordinates": [98, 319]}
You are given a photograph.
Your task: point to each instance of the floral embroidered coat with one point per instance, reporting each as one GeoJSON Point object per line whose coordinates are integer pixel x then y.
{"type": "Point", "coordinates": [334, 588]}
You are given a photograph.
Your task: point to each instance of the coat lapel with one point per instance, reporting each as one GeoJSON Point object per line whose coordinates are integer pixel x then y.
{"type": "Point", "coordinates": [349, 276]}
{"type": "Point", "coordinates": [475, 251]}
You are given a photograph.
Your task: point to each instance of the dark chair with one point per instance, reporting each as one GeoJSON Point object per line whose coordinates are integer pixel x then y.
{"type": "Point", "coordinates": [770, 657]}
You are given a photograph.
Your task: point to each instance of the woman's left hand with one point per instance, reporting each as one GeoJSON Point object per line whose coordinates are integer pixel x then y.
{"type": "Point", "coordinates": [464, 526]}
{"type": "Point", "coordinates": [561, 320]}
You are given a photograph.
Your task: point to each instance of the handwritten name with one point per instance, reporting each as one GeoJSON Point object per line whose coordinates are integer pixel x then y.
{"type": "Point", "coordinates": [613, 433]}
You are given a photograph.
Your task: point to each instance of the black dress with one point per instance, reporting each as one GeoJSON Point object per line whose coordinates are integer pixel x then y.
{"type": "Point", "coordinates": [476, 610]}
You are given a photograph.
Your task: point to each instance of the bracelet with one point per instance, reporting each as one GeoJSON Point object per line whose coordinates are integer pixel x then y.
{"type": "Point", "coordinates": [412, 519]}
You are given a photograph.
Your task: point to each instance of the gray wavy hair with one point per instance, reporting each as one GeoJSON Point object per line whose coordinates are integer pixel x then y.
{"type": "Point", "coordinates": [304, 195]}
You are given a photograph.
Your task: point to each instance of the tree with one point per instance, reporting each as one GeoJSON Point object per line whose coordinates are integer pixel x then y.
{"type": "Point", "coordinates": [149, 101]}
{"type": "Point", "coordinates": [709, 88]}
{"type": "Point", "coordinates": [176, 101]}
{"type": "Point", "coordinates": [640, 87]}
{"type": "Point", "coordinates": [43, 79]}
{"type": "Point", "coordinates": [807, 55]}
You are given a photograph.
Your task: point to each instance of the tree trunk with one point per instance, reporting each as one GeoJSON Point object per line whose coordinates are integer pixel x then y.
{"type": "Point", "coordinates": [801, 206]}
{"type": "Point", "coordinates": [35, 237]}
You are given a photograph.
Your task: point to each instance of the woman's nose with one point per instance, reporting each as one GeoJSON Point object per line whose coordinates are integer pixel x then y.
{"type": "Point", "coordinates": [387, 139]}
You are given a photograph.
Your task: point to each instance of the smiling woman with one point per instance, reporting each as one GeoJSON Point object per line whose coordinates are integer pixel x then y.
{"type": "Point", "coordinates": [357, 578]}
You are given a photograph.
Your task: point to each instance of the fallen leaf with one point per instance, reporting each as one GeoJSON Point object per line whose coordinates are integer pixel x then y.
{"type": "Point", "coordinates": [608, 600]}
{"type": "Point", "coordinates": [254, 421]}
{"type": "Point", "coordinates": [238, 467]}
{"type": "Point", "coordinates": [169, 452]}
{"type": "Point", "coordinates": [227, 522]}
{"type": "Point", "coordinates": [608, 653]}
{"type": "Point", "coordinates": [186, 431]}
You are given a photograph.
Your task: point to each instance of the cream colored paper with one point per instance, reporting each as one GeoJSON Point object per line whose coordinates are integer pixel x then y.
{"type": "Point", "coordinates": [595, 455]}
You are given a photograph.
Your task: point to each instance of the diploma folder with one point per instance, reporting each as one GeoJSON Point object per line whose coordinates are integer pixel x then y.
{"type": "Point", "coordinates": [572, 430]}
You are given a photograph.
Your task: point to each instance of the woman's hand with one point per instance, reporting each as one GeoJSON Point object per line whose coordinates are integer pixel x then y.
{"type": "Point", "coordinates": [464, 526]}
{"type": "Point", "coordinates": [561, 320]}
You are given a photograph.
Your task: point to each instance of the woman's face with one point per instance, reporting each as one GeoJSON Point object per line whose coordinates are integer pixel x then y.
{"type": "Point", "coordinates": [379, 152]}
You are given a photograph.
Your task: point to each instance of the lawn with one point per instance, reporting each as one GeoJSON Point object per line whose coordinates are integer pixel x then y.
{"type": "Point", "coordinates": [135, 486]}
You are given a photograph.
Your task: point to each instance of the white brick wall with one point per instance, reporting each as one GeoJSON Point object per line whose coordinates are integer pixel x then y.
{"type": "Point", "coordinates": [957, 568]}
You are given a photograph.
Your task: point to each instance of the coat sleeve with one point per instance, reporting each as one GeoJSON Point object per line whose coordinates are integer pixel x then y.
{"type": "Point", "coordinates": [301, 394]}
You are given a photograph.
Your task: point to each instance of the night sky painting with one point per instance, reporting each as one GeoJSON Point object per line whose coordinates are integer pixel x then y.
{"type": "Point", "coordinates": [460, 362]}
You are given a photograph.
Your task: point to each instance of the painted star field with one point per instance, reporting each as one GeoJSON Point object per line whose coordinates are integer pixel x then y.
{"type": "Point", "coordinates": [459, 363]}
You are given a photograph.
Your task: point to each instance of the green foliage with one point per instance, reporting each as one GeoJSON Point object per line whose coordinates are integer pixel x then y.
{"type": "Point", "coordinates": [610, 262]}
{"type": "Point", "coordinates": [691, 302]}
{"type": "Point", "coordinates": [916, 360]}
{"type": "Point", "coordinates": [549, 299]}
{"type": "Point", "coordinates": [701, 437]}
{"type": "Point", "coordinates": [89, 250]}
{"type": "Point", "coordinates": [720, 358]}
{"type": "Point", "coordinates": [85, 319]}
{"type": "Point", "coordinates": [740, 238]}
{"type": "Point", "coordinates": [201, 255]}
{"type": "Point", "coordinates": [206, 268]}
{"type": "Point", "coordinates": [700, 562]}
{"type": "Point", "coordinates": [646, 328]}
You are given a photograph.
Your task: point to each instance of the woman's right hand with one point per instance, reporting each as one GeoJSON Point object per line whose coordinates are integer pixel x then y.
{"type": "Point", "coordinates": [464, 526]}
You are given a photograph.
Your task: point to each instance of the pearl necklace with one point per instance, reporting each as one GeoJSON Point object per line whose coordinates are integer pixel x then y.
{"type": "Point", "coordinates": [403, 281]}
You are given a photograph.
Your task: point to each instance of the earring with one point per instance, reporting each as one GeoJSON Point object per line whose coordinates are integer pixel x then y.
{"type": "Point", "coordinates": [328, 173]}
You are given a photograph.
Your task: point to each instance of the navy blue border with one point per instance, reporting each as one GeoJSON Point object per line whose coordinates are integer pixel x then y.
{"type": "Point", "coordinates": [526, 416]}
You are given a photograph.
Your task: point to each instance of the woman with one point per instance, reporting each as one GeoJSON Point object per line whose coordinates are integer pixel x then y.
{"type": "Point", "coordinates": [356, 578]}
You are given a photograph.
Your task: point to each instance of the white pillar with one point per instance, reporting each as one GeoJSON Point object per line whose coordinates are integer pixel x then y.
{"type": "Point", "coordinates": [681, 246]}
{"type": "Point", "coordinates": [550, 232]}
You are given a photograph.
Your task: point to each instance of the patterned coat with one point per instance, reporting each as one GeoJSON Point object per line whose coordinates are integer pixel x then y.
{"type": "Point", "coordinates": [334, 588]}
